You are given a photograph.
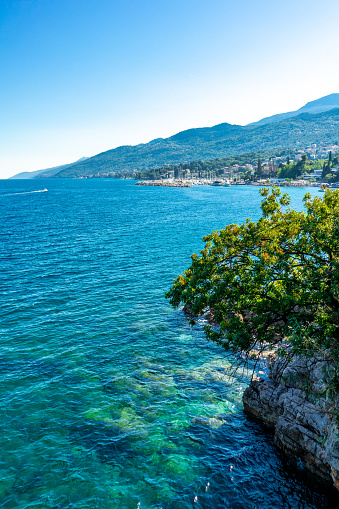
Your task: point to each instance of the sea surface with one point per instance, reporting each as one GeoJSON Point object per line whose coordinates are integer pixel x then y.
{"type": "Point", "coordinates": [109, 398]}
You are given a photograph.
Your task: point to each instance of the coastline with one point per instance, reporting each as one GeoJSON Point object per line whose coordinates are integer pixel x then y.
{"type": "Point", "coordinates": [227, 184]}
{"type": "Point", "coordinates": [293, 402]}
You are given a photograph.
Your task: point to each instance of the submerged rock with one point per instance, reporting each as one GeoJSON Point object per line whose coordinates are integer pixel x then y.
{"type": "Point", "coordinates": [294, 402]}
{"type": "Point", "coordinates": [211, 422]}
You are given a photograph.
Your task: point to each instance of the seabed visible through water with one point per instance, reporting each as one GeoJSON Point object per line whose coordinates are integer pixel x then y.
{"type": "Point", "coordinates": [109, 399]}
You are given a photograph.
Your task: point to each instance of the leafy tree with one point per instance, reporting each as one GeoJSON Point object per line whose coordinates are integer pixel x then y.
{"type": "Point", "coordinates": [271, 283]}
{"type": "Point", "coordinates": [330, 177]}
{"type": "Point", "coordinates": [291, 170]}
{"type": "Point", "coordinates": [259, 173]}
{"type": "Point", "coordinates": [325, 171]}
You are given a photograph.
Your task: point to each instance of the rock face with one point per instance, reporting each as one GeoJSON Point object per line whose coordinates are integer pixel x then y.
{"type": "Point", "coordinates": [294, 402]}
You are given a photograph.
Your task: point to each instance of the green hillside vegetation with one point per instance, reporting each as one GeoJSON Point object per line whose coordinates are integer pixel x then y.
{"type": "Point", "coordinates": [215, 167]}
{"type": "Point", "coordinates": [294, 170]}
{"type": "Point", "coordinates": [304, 166]}
{"type": "Point", "coordinates": [208, 143]}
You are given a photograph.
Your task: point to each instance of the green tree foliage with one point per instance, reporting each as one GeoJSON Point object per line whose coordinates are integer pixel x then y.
{"type": "Point", "coordinates": [294, 170]}
{"type": "Point", "coordinates": [304, 166]}
{"type": "Point", "coordinates": [259, 172]}
{"type": "Point", "coordinates": [324, 172]}
{"type": "Point", "coordinates": [271, 283]}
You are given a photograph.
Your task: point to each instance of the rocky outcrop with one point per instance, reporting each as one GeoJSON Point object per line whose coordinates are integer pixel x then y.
{"type": "Point", "coordinates": [208, 315]}
{"type": "Point", "coordinates": [294, 401]}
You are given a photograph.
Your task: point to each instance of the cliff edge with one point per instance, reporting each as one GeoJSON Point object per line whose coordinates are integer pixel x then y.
{"type": "Point", "coordinates": [294, 401]}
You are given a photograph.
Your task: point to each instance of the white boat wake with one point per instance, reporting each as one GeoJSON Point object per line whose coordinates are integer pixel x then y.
{"type": "Point", "coordinates": [26, 192]}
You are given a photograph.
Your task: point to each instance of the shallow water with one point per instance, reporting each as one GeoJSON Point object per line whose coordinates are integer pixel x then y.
{"type": "Point", "coordinates": [109, 399]}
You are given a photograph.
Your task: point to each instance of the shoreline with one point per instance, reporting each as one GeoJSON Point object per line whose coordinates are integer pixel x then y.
{"type": "Point", "coordinates": [185, 183]}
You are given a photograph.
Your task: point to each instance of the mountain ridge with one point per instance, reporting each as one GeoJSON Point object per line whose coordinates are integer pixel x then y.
{"type": "Point", "coordinates": [304, 126]}
{"type": "Point", "coordinates": [212, 142]}
{"type": "Point", "coordinates": [46, 172]}
{"type": "Point", "coordinates": [323, 104]}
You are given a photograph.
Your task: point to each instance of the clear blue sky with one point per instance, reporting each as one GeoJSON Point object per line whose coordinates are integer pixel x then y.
{"type": "Point", "coordinates": [81, 76]}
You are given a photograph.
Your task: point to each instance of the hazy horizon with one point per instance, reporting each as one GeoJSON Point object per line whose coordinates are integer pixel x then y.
{"type": "Point", "coordinates": [81, 78]}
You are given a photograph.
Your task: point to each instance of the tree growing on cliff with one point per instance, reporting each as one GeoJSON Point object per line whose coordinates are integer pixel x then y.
{"type": "Point", "coordinates": [273, 283]}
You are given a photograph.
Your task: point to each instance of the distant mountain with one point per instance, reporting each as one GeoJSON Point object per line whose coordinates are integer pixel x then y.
{"type": "Point", "coordinates": [47, 172]}
{"type": "Point", "coordinates": [329, 102]}
{"type": "Point", "coordinates": [316, 122]}
{"type": "Point", "coordinates": [205, 143]}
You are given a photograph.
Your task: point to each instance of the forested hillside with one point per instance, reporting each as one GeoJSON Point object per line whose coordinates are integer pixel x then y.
{"type": "Point", "coordinates": [222, 140]}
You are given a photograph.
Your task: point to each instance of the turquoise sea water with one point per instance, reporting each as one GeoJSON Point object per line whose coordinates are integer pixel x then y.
{"type": "Point", "coordinates": [109, 399]}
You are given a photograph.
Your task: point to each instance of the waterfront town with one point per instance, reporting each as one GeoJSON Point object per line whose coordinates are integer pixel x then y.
{"type": "Point", "coordinates": [316, 165]}
{"type": "Point", "coordinates": [270, 172]}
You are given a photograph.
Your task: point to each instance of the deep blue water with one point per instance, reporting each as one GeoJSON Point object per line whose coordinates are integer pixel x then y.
{"type": "Point", "coordinates": [109, 399]}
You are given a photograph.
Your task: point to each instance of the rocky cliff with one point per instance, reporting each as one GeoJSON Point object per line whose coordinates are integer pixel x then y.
{"type": "Point", "coordinates": [294, 401]}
